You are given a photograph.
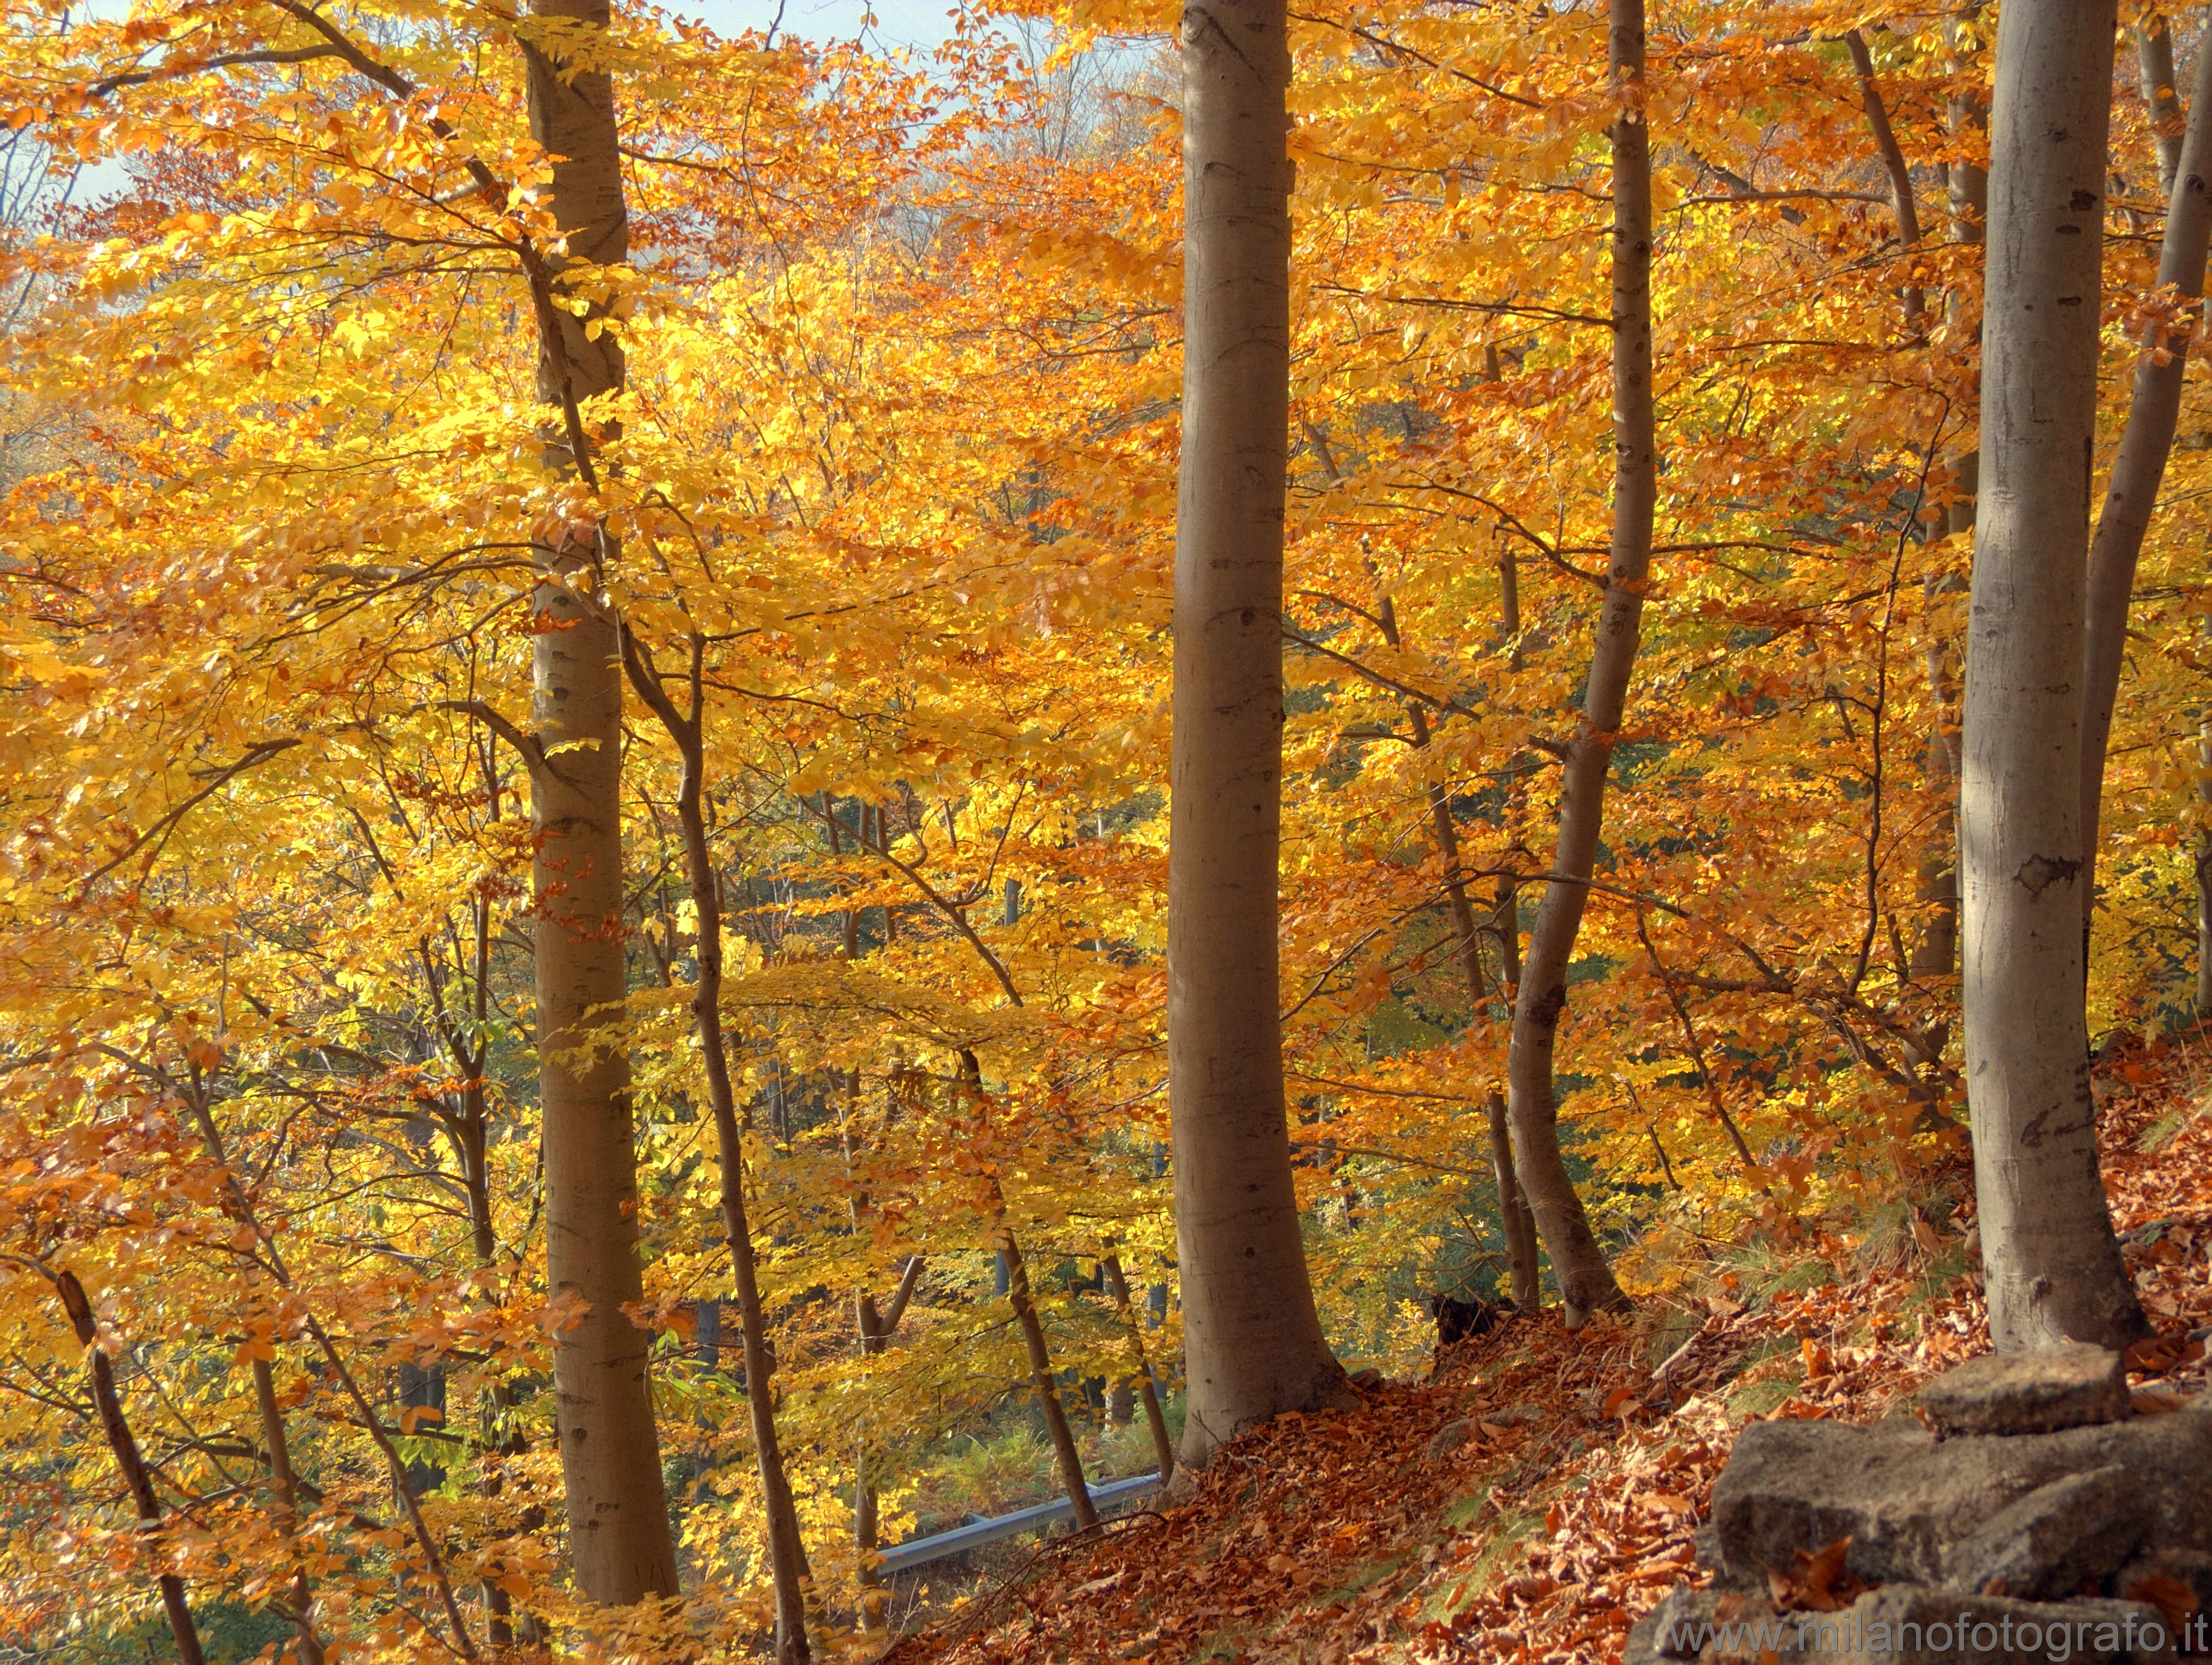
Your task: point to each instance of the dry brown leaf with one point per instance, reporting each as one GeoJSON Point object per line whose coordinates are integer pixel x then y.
{"type": "Point", "coordinates": [2156, 1401]}
{"type": "Point", "coordinates": [2172, 1598]}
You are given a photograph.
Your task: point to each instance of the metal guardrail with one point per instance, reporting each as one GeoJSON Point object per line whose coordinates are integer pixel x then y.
{"type": "Point", "coordinates": [942, 1546]}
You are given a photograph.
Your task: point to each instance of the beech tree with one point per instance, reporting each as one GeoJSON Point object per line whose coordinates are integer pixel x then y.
{"type": "Point", "coordinates": [1252, 1340]}
{"type": "Point", "coordinates": [2154, 409]}
{"type": "Point", "coordinates": [857, 449]}
{"type": "Point", "coordinates": [1586, 1282]}
{"type": "Point", "coordinates": [610, 1451]}
{"type": "Point", "coordinates": [2053, 1262]}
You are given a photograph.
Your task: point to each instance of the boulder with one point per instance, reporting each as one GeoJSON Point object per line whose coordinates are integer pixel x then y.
{"type": "Point", "coordinates": [1904, 1497]}
{"type": "Point", "coordinates": [2045, 1545]}
{"type": "Point", "coordinates": [1904, 1625]}
{"type": "Point", "coordinates": [1707, 1625]}
{"type": "Point", "coordinates": [1912, 1624]}
{"type": "Point", "coordinates": [2029, 1393]}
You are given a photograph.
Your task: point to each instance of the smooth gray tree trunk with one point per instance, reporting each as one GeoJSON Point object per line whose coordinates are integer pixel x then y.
{"type": "Point", "coordinates": [1586, 1282]}
{"type": "Point", "coordinates": [2053, 1265]}
{"type": "Point", "coordinates": [620, 1544]}
{"type": "Point", "coordinates": [2154, 64]}
{"type": "Point", "coordinates": [1252, 1339]}
{"type": "Point", "coordinates": [2131, 494]}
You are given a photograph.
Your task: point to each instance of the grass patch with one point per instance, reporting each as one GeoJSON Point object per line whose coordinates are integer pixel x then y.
{"type": "Point", "coordinates": [1812, 1272]}
{"type": "Point", "coordinates": [1371, 1573]}
{"type": "Point", "coordinates": [1937, 1283]}
{"type": "Point", "coordinates": [2169, 1124]}
{"type": "Point", "coordinates": [1224, 1644]}
{"type": "Point", "coordinates": [1672, 1326]}
{"type": "Point", "coordinates": [1759, 1398]}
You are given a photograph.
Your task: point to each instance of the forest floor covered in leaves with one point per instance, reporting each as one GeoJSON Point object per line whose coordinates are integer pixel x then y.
{"type": "Point", "coordinates": [1539, 1492]}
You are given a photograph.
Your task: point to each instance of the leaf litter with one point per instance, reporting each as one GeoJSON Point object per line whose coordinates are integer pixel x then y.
{"type": "Point", "coordinates": [1541, 1490]}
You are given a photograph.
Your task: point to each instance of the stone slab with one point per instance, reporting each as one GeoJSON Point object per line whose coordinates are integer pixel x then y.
{"type": "Point", "coordinates": [2029, 1393]}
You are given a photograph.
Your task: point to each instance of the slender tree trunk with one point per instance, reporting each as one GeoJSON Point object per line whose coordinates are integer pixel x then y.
{"type": "Point", "coordinates": [1935, 892]}
{"type": "Point", "coordinates": [1893, 164]}
{"type": "Point", "coordinates": [2131, 494]}
{"type": "Point", "coordinates": [1586, 1282]}
{"type": "Point", "coordinates": [619, 1539]}
{"type": "Point", "coordinates": [1155, 1419]}
{"type": "Point", "coordinates": [1252, 1338]}
{"type": "Point", "coordinates": [1047, 1391]}
{"type": "Point", "coordinates": [285, 1490]}
{"type": "Point", "coordinates": [1513, 1216]}
{"type": "Point", "coordinates": [108, 1404]}
{"type": "Point", "coordinates": [875, 1331]}
{"type": "Point", "coordinates": [239, 1207]}
{"type": "Point", "coordinates": [1515, 1221]}
{"type": "Point", "coordinates": [2053, 1265]}
{"type": "Point", "coordinates": [786, 1551]}
{"type": "Point", "coordinates": [1522, 1247]}
{"type": "Point", "coordinates": [472, 1141]}
{"type": "Point", "coordinates": [1937, 866]}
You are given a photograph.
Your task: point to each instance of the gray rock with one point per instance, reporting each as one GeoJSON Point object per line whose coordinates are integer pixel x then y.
{"type": "Point", "coordinates": [1902, 1624]}
{"type": "Point", "coordinates": [2190, 1568]}
{"type": "Point", "coordinates": [2042, 1547]}
{"type": "Point", "coordinates": [1448, 1438]}
{"type": "Point", "coordinates": [1687, 1625]}
{"type": "Point", "coordinates": [2029, 1393]}
{"type": "Point", "coordinates": [1911, 1624]}
{"type": "Point", "coordinates": [1904, 1497]}
{"type": "Point", "coordinates": [1705, 1544]}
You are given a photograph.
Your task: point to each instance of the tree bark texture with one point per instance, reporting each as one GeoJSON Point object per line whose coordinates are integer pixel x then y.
{"type": "Point", "coordinates": [285, 1496]}
{"type": "Point", "coordinates": [1117, 1286]}
{"type": "Point", "coordinates": [1253, 1341]}
{"type": "Point", "coordinates": [621, 1547]}
{"type": "Point", "coordinates": [1893, 165]}
{"type": "Point", "coordinates": [1586, 1282]}
{"type": "Point", "coordinates": [2052, 1262]}
{"type": "Point", "coordinates": [128, 1460]}
{"type": "Point", "coordinates": [2155, 63]}
{"type": "Point", "coordinates": [2131, 493]}
{"type": "Point", "coordinates": [1047, 1391]}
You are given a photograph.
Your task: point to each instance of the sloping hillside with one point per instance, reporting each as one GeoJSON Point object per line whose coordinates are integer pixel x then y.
{"type": "Point", "coordinates": [1543, 1490]}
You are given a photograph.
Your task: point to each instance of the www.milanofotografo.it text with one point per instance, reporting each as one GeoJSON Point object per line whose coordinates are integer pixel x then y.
{"type": "Point", "coordinates": [2063, 1637]}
